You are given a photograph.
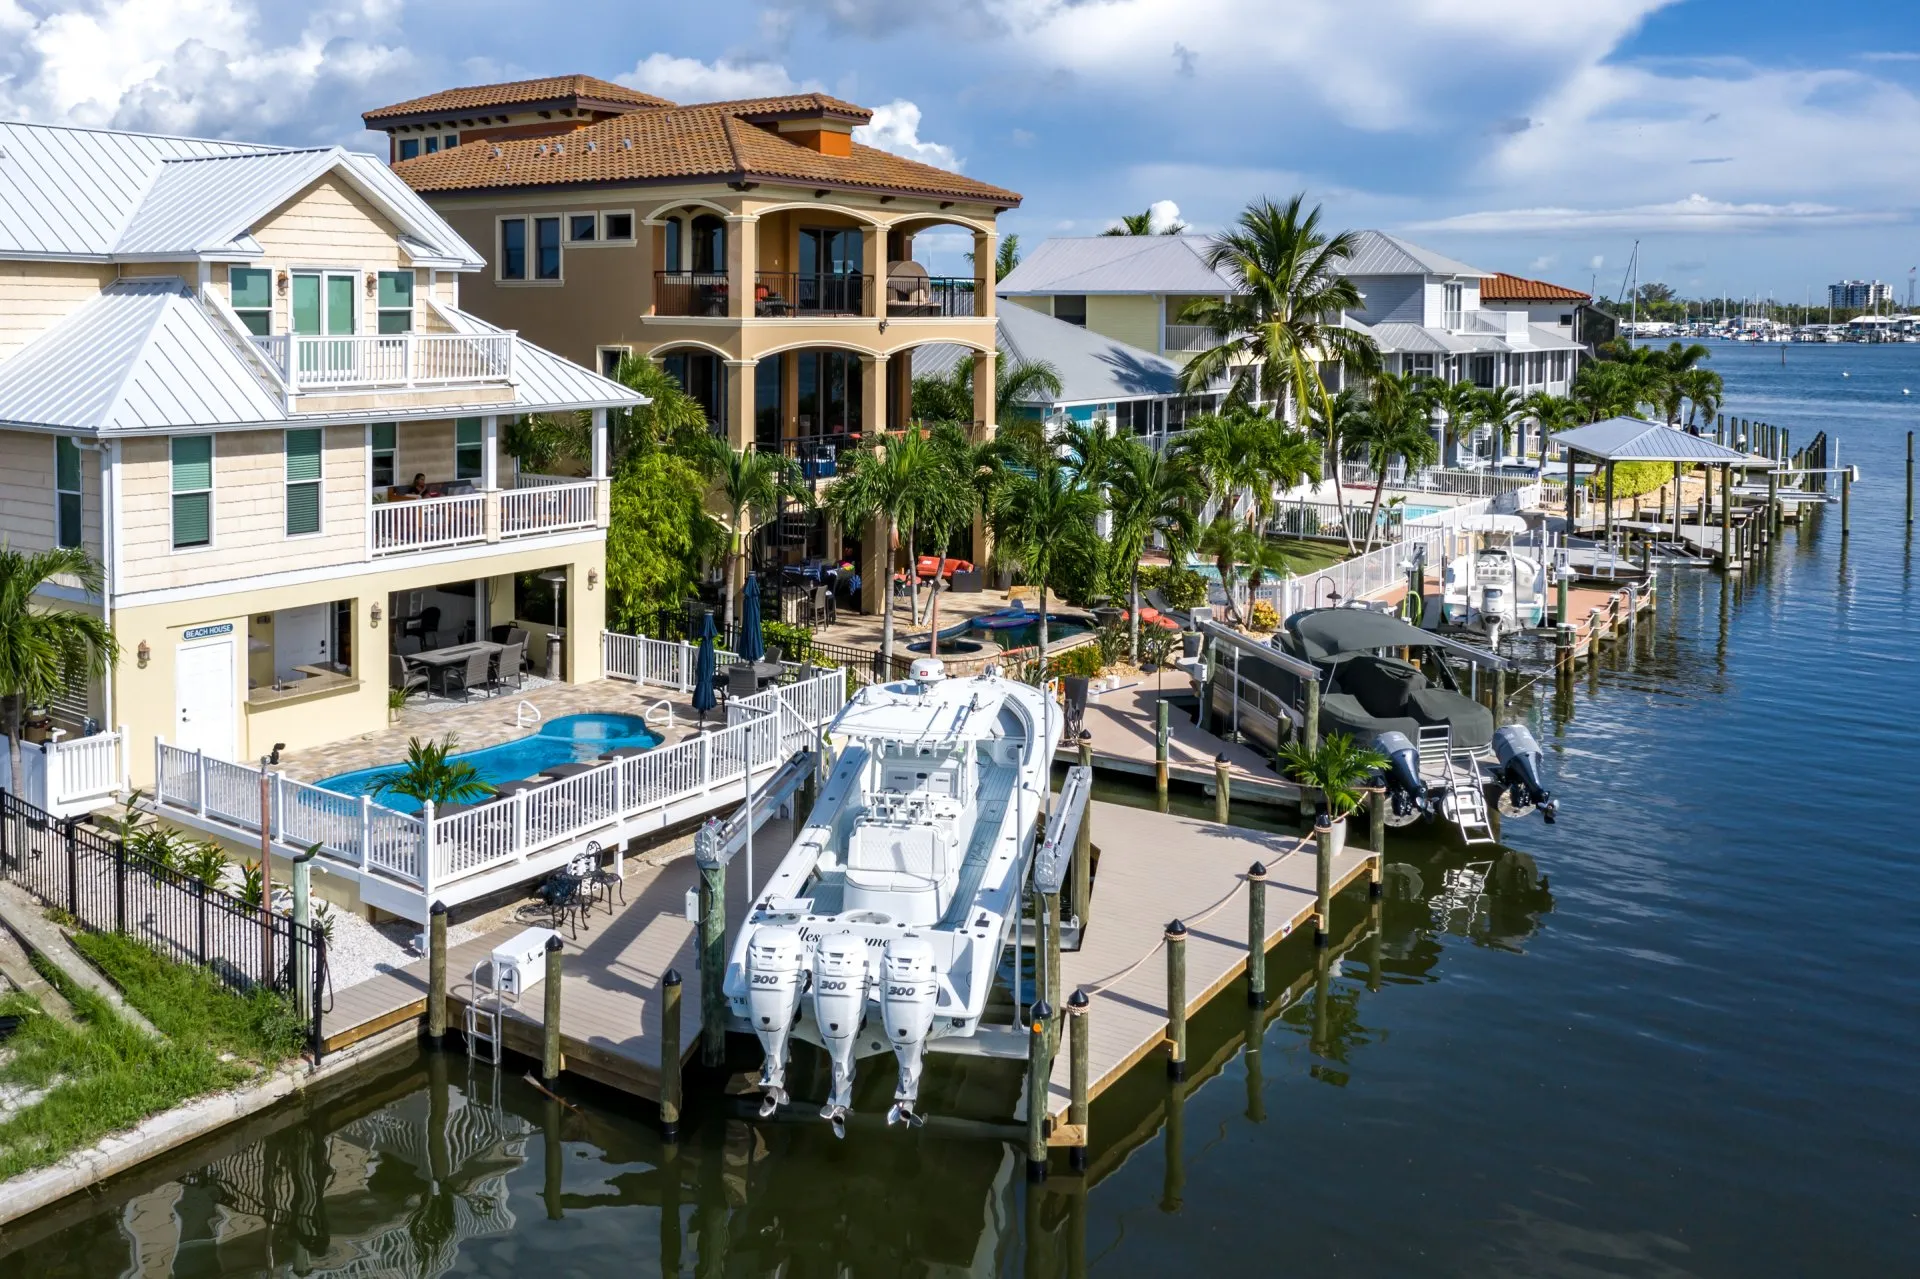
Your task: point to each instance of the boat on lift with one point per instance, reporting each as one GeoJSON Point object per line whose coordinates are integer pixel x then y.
{"type": "Point", "coordinates": [1499, 586]}
{"type": "Point", "coordinates": [884, 925]}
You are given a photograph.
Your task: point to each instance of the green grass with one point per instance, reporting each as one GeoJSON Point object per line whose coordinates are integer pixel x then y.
{"type": "Point", "coordinates": [107, 1075]}
{"type": "Point", "coordinates": [1310, 555]}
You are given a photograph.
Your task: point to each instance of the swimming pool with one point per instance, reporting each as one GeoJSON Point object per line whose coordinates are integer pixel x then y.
{"type": "Point", "coordinates": [569, 739]}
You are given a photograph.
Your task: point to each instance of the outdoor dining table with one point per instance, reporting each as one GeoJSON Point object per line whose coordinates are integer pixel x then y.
{"type": "Point", "coordinates": [439, 661]}
{"type": "Point", "coordinates": [764, 673]}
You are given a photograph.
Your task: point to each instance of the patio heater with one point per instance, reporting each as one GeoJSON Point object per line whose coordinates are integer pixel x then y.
{"type": "Point", "coordinates": [557, 577]}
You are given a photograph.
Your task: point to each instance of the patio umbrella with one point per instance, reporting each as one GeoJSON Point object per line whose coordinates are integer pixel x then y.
{"type": "Point", "coordinates": [703, 698]}
{"type": "Point", "coordinates": [752, 646]}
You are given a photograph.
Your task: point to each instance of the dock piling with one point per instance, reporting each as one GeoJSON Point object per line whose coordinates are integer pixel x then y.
{"type": "Point", "coordinates": [1077, 1005]}
{"type": "Point", "coordinates": [437, 973]}
{"type": "Point", "coordinates": [1222, 788]}
{"type": "Point", "coordinates": [1310, 731]}
{"type": "Point", "coordinates": [713, 945]}
{"type": "Point", "coordinates": [1376, 841]}
{"type": "Point", "coordinates": [1257, 935]}
{"type": "Point", "coordinates": [670, 1055]}
{"type": "Point", "coordinates": [1160, 739]}
{"type": "Point", "coordinates": [1909, 477]}
{"type": "Point", "coordinates": [1176, 1000]}
{"type": "Point", "coordinates": [1846, 501]}
{"type": "Point", "coordinates": [1049, 915]}
{"type": "Point", "coordinates": [1040, 1018]}
{"type": "Point", "coordinates": [550, 1022]}
{"type": "Point", "coordinates": [1323, 881]}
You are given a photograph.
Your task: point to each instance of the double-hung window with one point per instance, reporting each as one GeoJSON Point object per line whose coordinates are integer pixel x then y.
{"type": "Point", "coordinates": [513, 248]}
{"type": "Point", "coordinates": [250, 288]}
{"type": "Point", "coordinates": [303, 481]}
{"type": "Point", "coordinates": [66, 485]}
{"type": "Point", "coordinates": [383, 448]}
{"type": "Point", "coordinates": [546, 248]}
{"type": "Point", "coordinates": [467, 448]}
{"type": "Point", "coordinates": [396, 301]}
{"type": "Point", "coordinates": [616, 227]}
{"type": "Point", "coordinates": [192, 491]}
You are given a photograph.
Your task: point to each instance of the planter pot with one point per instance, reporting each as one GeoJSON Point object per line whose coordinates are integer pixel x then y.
{"type": "Point", "coordinates": [1339, 841]}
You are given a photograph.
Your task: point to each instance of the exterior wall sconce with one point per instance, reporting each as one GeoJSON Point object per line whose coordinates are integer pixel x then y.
{"type": "Point", "coordinates": [593, 578]}
{"type": "Point", "coordinates": [281, 284]}
{"type": "Point", "coordinates": [143, 653]}
{"type": "Point", "coordinates": [374, 615]}
{"type": "Point", "coordinates": [373, 282]}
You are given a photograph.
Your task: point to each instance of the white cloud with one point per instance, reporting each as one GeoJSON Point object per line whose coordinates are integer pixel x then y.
{"type": "Point", "coordinates": [194, 66]}
{"type": "Point", "coordinates": [691, 80]}
{"type": "Point", "coordinates": [1162, 214]}
{"type": "Point", "coordinates": [896, 127]}
{"type": "Point", "coordinates": [1694, 213]}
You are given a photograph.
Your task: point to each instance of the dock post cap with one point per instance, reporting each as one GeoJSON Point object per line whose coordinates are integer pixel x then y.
{"type": "Point", "coordinates": [1086, 734]}
{"type": "Point", "coordinates": [671, 977]}
{"type": "Point", "coordinates": [1322, 823]}
{"type": "Point", "coordinates": [1176, 931]}
{"type": "Point", "coordinates": [554, 943]}
{"type": "Point", "coordinates": [438, 908]}
{"type": "Point", "coordinates": [1257, 871]}
{"type": "Point", "coordinates": [1221, 758]}
{"type": "Point", "coordinates": [1040, 1014]}
{"type": "Point", "coordinates": [1077, 1002]}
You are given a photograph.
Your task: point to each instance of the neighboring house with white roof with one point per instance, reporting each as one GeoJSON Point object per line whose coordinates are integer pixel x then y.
{"type": "Point", "coordinates": [1131, 288]}
{"type": "Point", "coordinates": [219, 364]}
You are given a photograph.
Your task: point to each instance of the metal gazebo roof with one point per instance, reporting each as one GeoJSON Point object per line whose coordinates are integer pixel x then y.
{"type": "Point", "coordinates": [1633, 439]}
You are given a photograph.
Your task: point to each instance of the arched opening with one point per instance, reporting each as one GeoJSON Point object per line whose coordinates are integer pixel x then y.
{"type": "Point", "coordinates": [709, 243]}
{"type": "Point", "coordinates": [930, 270]}
{"type": "Point", "coordinates": [702, 374]}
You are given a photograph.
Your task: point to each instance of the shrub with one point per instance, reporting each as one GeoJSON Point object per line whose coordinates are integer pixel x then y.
{"type": "Point", "coordinates": [1083, 659]}
{"type": "Point", "coordinates": [1180, 588]}
{"type": "Point", "coordinates": [1630, 479]}
{"type": "Point", "coordinates": [1263, 617]}
{"type": "Point", "coordinates": [1113, 643]}
{"type": "Point", "coordinates": [796, 642]}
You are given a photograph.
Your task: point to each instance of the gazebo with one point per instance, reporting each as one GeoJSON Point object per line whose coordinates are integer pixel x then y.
{"type": "Point", "coordinates": [1634, 439]}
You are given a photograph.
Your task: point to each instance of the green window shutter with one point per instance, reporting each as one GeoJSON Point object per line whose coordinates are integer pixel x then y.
{"type": "Point", "coordinates": [192, 463]}
{"type": "Point", "coordinates": [383, 435]}
{"type": "Point", "coordinates": [303, 509]}
{"type": "Point", "coordinates": [396, 289]}
{"type": "Point", "coordinates": [303, 454]}
{"type": "Point", "coordinates": [192, 521]}
{"type": "Point", "coordinates": [466, 430]}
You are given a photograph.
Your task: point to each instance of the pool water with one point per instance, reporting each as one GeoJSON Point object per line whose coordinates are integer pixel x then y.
{"type": "Point", "coordinates": [567, 740]}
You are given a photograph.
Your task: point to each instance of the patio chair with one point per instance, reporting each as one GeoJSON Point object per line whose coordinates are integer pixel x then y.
{"type": "Point", "coordinates": [741, 682]}
{"type": "Point", "coordinates": [425, 627]}
{"type": "Point", "coordinates": [599, 881]}
{"type": "Point", "coordinates": [560, 899]}
{"type": "Point", "coordinates": [404, 677]}
{"type": "Point", "coordinates": [471, 676]}
{"type": "Point", "coordinates": [505, 666]}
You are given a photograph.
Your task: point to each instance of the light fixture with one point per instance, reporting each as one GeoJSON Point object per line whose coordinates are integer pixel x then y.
{"type": "Point", "coordinates": [374, 614]}
{"type": "Point", "coordinates": [283, 284]}
{"type": "Point", "coordinates": [143, 653]}
{"type": "Point", "coordinates": [593, 578]}
{"type": "Point", "coordinates": [373, 283]}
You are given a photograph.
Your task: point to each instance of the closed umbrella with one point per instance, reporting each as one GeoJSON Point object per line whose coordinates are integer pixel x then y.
{"type": "Point", "coordinates": [703, 698]}
{"type": "Point", "coordinates": [752, 646]}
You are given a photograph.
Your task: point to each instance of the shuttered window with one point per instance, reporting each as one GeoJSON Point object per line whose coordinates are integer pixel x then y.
{"type": "Point", "coordinates": [467, 447]}
{"type": "Point", "coordinates": [303, 482]}
{"type": "Point", "coordinates": [251, 290]}
{"type": "Point", "coordinates": [396, 301]}
{"type": "Point", "coordinates": [383, 446]}
{"type": "Point", "coordinates": [192, 491]}
{"type": "Point", "coordinates": [66, 486]}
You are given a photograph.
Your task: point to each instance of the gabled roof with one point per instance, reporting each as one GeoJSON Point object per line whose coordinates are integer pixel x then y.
{"type": "Point", "coordinates": [521, 95]}
{"type": "Point", "coordinates": [1501, 287]}
{"type": "Point", "coordinates": [1377, 253]}
{"type": "Point", "coordinates": [90, 194]}
{"type": "Point", "coordinates": [1092, 368]}
{"type": "Point", "coordinates": [1416, 339]}
{"type": "Point", "coordinates": [714, 141]}
{"type": "Point", "coordinates": [1633, 439]}
{"type": "Point", "coordinates": [1116, 264]}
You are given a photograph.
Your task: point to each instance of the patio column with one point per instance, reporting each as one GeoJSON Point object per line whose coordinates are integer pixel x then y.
{"type": "Point", "coordinates": [743, 264]}
{"type": "Point", "coordinates": [985, 427]}
{"type": "Point", "coordinates": [873, 259]}
{"type": "Point", "coordinates": [873, 394]}
{"type": "Point", "coordinates": [985, 246]}
{"type": "Point", "coordinates": [603, 487]}
{"type": "Point", "coordinates": [490, 475]}
{"type": "Point", "coordinates": [740, 402]}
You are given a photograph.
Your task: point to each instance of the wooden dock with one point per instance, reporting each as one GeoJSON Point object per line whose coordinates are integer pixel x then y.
{"type": "Point", "coordinates": [1123, 724]}
{"type": "Point", "coordinates": [1154, 868]}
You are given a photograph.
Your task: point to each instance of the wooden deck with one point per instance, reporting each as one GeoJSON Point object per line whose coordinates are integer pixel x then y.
{"type": "Point", "coordinates": [1154, 868]}
{"type": "Point", "coordinates": [1123, 728]}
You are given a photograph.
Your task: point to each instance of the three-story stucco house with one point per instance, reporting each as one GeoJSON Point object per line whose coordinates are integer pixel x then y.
{"type": "Point", "coordinates": [240, 378]}
{"type": "Point", "coordinates": [756, 248]}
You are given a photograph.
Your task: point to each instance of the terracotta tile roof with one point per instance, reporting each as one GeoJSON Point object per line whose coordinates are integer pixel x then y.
{"type": "Point", "coordinates": [564, 89]}
{"type": "Point", "coordinates": [710, 140]}
{"type": "Point", "coordinates": [1501, 287]}
{"type": "Point", "coordinates": [790, 104]}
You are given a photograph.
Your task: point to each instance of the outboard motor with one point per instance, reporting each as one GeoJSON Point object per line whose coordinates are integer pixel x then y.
{"type": "Point", "coordinates": [1407, 796]}
{"type": "Point", "coordinates": [910, 987]}
{"type": "Point", "coordinates": [1521, 791]}
{"type": "Point", "coordinates": [839, 1009]}
{"type": "Point", "coordinates": [776, 977]}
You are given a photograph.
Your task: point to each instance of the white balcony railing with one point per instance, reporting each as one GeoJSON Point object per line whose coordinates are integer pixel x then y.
{"type": "Point", "coordinates": [1190, 337]}
{"type": "Point", "coordinates": [541, 504]}
{"type": "Point", "coordinates": [428, 522]}
{"type": "Point", "coordinates": [388, 359]}
{"type": "Point", "coordinates": [548, 508]}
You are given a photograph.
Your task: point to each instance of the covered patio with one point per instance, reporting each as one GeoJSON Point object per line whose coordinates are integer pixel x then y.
{"type": "Point", "coordinates": [1632, 439]}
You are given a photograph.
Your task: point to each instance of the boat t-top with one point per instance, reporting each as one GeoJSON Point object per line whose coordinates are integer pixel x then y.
{"type": "Point", "coordinates": [1499, 586]}
{"type": "Point", "coordinates": [884, 925]}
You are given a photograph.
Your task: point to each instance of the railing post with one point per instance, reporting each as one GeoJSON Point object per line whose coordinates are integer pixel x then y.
{"type": "Point", "coordinates": [73, 865]}
{"type": "Point", "coordinates": [426, 848]}
{"type": "Point", "coordinates": [119, 886]}
{"type": "Point", "coordinates": [200, 781]}
{"type": "Point", "coordinates": [366, 833]}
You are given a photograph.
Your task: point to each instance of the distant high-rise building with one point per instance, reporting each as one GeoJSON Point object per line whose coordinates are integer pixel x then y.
{"type": "Point", "coordinates": [1859, 295]}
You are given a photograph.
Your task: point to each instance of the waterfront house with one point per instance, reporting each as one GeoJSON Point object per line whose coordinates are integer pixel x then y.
{"type": "Point", "coordinates": [1130, 288]}
{"type": "Point", "coordinates": [222, 367]}
{"type": "Point", "coordinates": [769, 259]}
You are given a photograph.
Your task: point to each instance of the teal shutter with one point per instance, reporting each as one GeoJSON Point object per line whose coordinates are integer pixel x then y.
{"type": "Point", "coordinates": [303, 482]}
{"type": "Point", "coordinates": [192, 523]}
{"type": "Point", "coordinates": [467, 448]}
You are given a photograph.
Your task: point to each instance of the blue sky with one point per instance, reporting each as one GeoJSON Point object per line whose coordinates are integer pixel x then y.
{"type": "Point", "coordinates": [1761, 146]}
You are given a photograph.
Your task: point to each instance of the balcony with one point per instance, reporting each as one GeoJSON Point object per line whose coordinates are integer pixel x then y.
{"type": "Point", "coordinates": [796, 293]}
{"type": "Point", "coordinates": [539, 504]}
{"type": "Point", "coordinates": [914, 293]}
{"type": "Point", "coordinates": [1190, 337]}
{"type": "Point", "coordinates": [347, 362]}
{"type": "Point", "coordinates": [690, 293]}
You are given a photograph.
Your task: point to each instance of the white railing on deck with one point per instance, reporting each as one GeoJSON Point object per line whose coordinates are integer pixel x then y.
{"type": "Point", "coordinates": [661, 663]}
{"type": "Point", "coordinates": [379, 841]}
{"type": "Point", "coordinates": [388, 359]}
{"type": "Point", "coordinates": [1437, 479]}
{"type": "Point", "coordinates": [425, 522]}
{"type": "Point", "coordinates": [547, 507]}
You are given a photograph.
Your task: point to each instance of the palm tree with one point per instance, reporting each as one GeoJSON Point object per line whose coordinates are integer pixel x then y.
{"type": "Point", "coordinates": [1043, 528]}
{"type": "Point", "coordinates": [1459, 402]}
{"type": "Point", "coordinates": [1142, 224]}
{"type": "Point", "coordinates": [1234, 547]}
{"type": "Point", "coordinates": [1005, 258]}
{"type": "Point", "coordinates": [748, 487]}
{"type": "Point", "coordinates": [1283, 318]}
{"type": "Point", "coordinates": [1550, 414]}
{"type": "Point", "coordinates": [45, 650]}
{"type": "Point", "coordinates": [1395, 424]}
{"type": "Point", "coordinates": [968, 470]}
{"type": "Point", "coordinates": [1332, 422]}
{"type": "Point", "coordinates": [1150, 493]}
{"type": "Point", "coordinates": [670, 417]}
{"type": "Point", "coordinates": [1704, 389]}
{"type": "Point", "coordinates": [1499, 408]}
{"type": "Point", "coordinates": [1336, 768]}
{"type": "Point", "coordinates": [887, 480]}
{"type": "Point", "coordinates": [430, 777]}
{"type": "Point", "coordinates": [1240, 452]}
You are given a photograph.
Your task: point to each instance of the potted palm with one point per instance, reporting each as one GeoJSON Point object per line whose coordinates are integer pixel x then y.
{"type": "Point", "coordinates": [430, 776]}
{"type": "Point", "coordinates": [1337, 769]}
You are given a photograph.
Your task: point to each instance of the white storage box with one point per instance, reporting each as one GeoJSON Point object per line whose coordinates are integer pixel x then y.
{"type": "Point", "coordinates": [521, 962]}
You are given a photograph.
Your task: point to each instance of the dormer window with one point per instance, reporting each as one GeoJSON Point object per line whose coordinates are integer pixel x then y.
{"type": "Point", "coordinates": [409, 148]}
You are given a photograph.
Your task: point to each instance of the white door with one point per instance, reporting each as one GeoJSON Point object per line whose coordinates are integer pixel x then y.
{"type": "Point", "coordinates": [203, 679]}
{"type": "Point", "coordinates": [300, 639]}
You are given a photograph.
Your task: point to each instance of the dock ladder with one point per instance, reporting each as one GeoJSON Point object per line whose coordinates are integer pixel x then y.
{"type": "Point", "coordinates": [484, 1013]}
{"type": "Point", "coordinates": [1459, 772]}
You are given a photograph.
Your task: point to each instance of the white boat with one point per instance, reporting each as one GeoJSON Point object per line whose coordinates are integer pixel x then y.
{"type": "Point", "coordinates": [885, 923]}
{"type": "Point", "coordinates": [1497, 587]}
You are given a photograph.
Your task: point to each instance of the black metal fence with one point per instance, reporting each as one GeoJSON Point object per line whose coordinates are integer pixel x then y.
{"type": "Point", "coordinates": [677, 624]}
{"type": "Point", "coordinates": [106, 888]}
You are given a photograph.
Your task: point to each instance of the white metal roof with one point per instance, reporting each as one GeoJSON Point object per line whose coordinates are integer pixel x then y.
{"type": "Point", "coordinates": [1377, 253]}
{"type": "Point", "coordinates": [147, 356]}
{"type": "Point", "coordinates": [1633, 439]}
{"type": "Point", "coordinates": [99, 195]}
{"type": "Point", "coordinates": [1116, 264]}
{"type": "Point", "coordinates": [1092, 368]}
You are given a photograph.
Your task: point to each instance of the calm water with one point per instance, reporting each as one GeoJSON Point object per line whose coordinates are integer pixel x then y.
{"type": "Point", "coordinates": [1693, 1054]}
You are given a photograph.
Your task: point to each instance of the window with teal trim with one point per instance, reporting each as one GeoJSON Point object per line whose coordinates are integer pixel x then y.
{"type": "Point", "coordinates": [303, 482]}
{"type": "Point", "coordinates": [192, 491]}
